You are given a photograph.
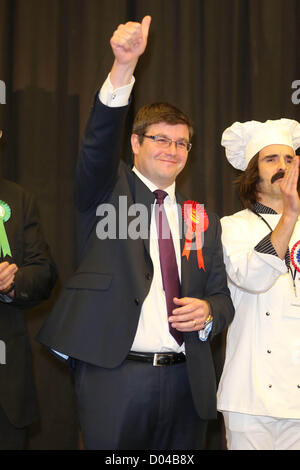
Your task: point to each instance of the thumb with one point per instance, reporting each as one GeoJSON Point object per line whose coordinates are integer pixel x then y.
{"type": "Point", "coordinates": [181, 301]}
{"type": "Point", "coordinates": [145, 26]}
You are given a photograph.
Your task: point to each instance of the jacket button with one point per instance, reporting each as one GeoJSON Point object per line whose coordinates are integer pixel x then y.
{"type": "Point", "coordinates": [137, 301]}
{"type": "Point", "coordinates": [269, 351]}
{"type": "Point", "coordinates": [268, 314]}
{"type": "Point", "coordinates": [148, 276]}
{"type": "Point", "coordinates": [270, 385]}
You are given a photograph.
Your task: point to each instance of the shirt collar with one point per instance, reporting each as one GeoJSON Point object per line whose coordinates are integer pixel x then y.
{"type": "Point", "coordinates": [262, 209]}
{"type": "Point", "coordinates": [170, 189]}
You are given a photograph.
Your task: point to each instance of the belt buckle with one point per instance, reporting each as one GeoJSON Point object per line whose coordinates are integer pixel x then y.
{"type": "Point", "coordinates": [156, 358]}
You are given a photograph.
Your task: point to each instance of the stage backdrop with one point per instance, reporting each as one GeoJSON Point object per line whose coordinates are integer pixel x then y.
{"type": "Point", "coordinates": [219, 60]}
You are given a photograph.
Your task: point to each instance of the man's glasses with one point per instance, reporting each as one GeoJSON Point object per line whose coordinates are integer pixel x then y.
{"type": "Point", "coordinates": [164, 142]}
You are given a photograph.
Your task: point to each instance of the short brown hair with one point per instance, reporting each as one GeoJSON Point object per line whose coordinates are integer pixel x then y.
{"type": "Point", "coordinates": [159, 112]}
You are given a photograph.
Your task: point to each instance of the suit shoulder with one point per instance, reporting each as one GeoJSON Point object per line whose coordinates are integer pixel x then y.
{"type": "Point", "coordinates": [240, 222]}
{"type": "Point", "coordinates": [17, 197]}
{"type": "Point", "coordinates": [14, 189]}
{"type": "Point", "coordinates": [240, 216]}
{"type": "Point", "coordinates": [10, 185]}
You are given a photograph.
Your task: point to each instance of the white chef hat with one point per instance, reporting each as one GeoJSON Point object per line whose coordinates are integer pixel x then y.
{"type": "Point", "coordinates": [243, 140]}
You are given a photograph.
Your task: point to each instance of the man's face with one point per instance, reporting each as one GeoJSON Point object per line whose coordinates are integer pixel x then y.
{"type": "Point", "coordinates": [273, 161]}
{"type": "Point", "coordinates": [161, 165]}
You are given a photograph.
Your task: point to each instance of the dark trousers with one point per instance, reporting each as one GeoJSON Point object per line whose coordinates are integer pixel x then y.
{"type": "Point", "coordinates": [11, 438]}
{"type": "Point", "coordinates": [137, 407]}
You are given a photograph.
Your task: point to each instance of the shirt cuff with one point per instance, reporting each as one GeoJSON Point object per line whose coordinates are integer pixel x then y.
{"type": "Point", "coordinates": [265, 246]}
{"type": "Point", "coordinates": [204, 334]}
{"type": "Point", "coordinates": [118, 97]}
{"type": "Point", "coordinates": [5, 298]}
{"type": "Point", "coordinates": [64, 356]}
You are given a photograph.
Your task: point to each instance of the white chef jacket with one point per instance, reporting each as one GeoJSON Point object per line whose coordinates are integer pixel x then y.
{"type": "Point", "coordinates": [261, 374]}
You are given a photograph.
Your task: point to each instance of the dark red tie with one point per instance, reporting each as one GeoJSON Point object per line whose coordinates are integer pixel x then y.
{"type": "Point", "coordinates": [168, 264]}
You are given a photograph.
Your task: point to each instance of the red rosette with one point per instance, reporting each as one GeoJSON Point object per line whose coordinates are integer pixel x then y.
{"type": "Point", "coordinates": [295, 256]}
{"type": "Point", "coordinates": [197, 222]}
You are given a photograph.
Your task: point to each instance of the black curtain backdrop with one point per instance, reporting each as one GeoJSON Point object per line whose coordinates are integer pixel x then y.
{"type": "Point", "coordinates": [219, 60]}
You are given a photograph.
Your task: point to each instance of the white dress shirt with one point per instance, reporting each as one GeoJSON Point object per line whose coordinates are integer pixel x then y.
{"type": "Point", "coordinates": [153, 329]}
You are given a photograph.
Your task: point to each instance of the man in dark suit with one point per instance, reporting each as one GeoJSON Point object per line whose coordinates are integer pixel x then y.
{"type": "Point", "coordinates": [27, 275]}
{"type": "Point", "coordinates": [112, 317]}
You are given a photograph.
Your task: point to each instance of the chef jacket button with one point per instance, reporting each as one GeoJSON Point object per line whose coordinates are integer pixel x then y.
{"type": "Point", "coordinates": [298, 385]}
{"type": "Point", "coordinates": [148, 276]}
{"type": "Point", "coordinates": [137, 301]}
{"type": "Point", "coordinates": [270, 385]}
{"type": "Point", "coordinates": [268, 314]}
{"type": "Point", "coordinates": [269, 351]}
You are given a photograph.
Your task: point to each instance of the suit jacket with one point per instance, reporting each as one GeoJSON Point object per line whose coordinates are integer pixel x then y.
{"type": "Point", "coordinates": [33, 283]}
{"type": "Point", "coordinates": [96, 317]}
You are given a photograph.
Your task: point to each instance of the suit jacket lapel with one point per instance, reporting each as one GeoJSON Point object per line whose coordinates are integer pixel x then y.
{"type": "Point", "coordinates": [185, 267]}
{"type": "Point", "coordinates": [142, 195]}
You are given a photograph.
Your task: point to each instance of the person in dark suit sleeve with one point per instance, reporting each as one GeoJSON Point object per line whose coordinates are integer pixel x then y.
{"type": "Point", "coordinates": [27, 275]}
{"type": "Point", "coordinates": [111, 318]}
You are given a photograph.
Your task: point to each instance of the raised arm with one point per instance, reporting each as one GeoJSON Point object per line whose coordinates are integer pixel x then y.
{"type": "Point", "coordinates": [101, 145]}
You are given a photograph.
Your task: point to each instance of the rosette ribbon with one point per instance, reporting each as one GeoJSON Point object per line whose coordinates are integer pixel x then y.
{"type": "Point", "coordinates": [197, 222]}
{"type": "Point", "coordinates": [5, 213]}
{"type": "Point", "coordinates": [295, 256]}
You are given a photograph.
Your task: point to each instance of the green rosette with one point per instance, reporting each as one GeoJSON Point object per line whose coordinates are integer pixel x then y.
{"type": "Point", "coordinates": [5, 213]}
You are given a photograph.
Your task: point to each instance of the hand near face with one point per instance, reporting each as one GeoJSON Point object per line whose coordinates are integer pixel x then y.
{"type": "Point", "coordinates": [281, 235]}
{"type": "Point", "coordinates": [288, 187]}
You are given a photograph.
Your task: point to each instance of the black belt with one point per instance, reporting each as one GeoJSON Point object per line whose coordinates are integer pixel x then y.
{"type": "Point", "coordinates": [157, 359]}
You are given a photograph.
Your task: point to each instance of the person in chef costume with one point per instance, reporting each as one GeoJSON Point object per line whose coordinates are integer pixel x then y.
{"type": "Point", "coordinates": [259, 391]}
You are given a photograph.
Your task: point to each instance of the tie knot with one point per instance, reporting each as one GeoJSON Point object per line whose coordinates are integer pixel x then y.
{"type": "Point", "coordinates": [160, 195]}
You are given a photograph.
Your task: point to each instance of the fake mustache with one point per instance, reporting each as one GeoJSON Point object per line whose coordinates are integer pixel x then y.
{"type": "Point", "coordinates": [279, 174]}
